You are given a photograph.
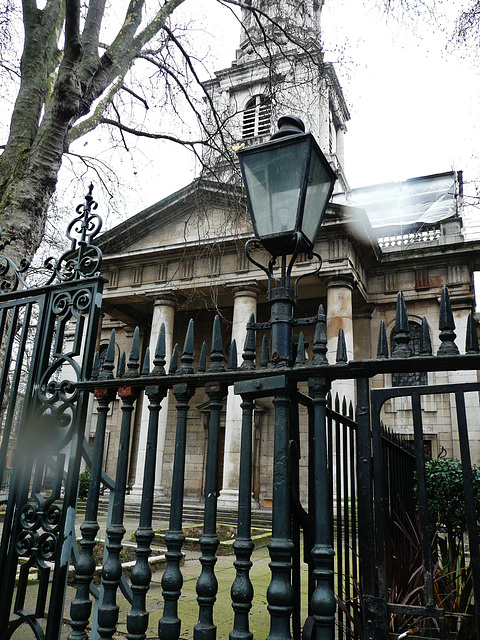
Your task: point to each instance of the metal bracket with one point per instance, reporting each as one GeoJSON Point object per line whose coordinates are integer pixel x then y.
{"type": "Point", "coordinates": [263, 326]}
{"type": "Point", "coordinates": [260, 387]}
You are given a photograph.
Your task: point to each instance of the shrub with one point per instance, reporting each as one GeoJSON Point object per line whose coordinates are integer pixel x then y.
{"type": "Point", "coordinates": [446, 500]}
{"type": "Point", "coordinates": [83, 484]}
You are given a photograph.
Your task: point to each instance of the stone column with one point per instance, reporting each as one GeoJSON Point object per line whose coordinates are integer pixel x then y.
{"type": "Point", "coordinates": [163, 312]}
{"type": "Point", "coordinates": [244, 304]}
{"type": "Point", "coordinates": [340, 316]}
{"type": "Point", "coordinates": [340, 146]}
{"type": "Point", "coordinates": [461, 310]}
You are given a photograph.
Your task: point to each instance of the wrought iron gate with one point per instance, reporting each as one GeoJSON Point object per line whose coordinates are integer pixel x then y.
{"type": "Point", "coordinates": [48, 334]}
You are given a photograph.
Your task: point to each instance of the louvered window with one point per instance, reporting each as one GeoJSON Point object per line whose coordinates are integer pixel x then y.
{"type": "Point", "coordinates": [256, 117]}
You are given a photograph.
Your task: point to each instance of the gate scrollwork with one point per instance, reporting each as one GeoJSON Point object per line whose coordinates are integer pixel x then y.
{"type": "Point", "coordinates": [48, 331]}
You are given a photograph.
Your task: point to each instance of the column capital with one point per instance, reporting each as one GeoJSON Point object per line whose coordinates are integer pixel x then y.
{"type": "Point", "coordinates": [341, 280]}
{"type": "Point", "coordinates": [164, 298]}
{"type": "Point", "coordinates": [246, 291]}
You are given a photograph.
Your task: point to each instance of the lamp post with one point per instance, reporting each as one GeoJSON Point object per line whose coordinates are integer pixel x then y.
{"type": "Point", "coordinates": [288, 183]}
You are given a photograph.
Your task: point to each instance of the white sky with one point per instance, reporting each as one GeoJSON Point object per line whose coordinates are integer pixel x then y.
{"type": "Point", "coordinates": [412, 98]}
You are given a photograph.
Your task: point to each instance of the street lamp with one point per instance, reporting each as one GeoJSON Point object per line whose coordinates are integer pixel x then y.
{"type": "Point", "coordinates": [288, 182]}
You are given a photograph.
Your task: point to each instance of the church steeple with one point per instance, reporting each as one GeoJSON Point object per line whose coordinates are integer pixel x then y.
{"type": "Point", "coordinates": [267, 23]}
{"type": "Point", "coordinates": [279, 69]}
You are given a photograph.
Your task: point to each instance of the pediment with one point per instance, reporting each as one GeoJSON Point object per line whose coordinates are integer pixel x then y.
{"type": "Point", "coordinates": [201, 212]}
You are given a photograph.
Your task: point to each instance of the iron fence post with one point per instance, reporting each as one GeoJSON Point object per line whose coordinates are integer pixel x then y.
{"type": "Point", "coordinates": [323, 599]}
{"type": "Point", "coordinates": [280, 594]}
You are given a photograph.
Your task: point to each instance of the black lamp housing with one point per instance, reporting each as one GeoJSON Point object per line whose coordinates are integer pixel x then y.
{"type": "Point", "coordinates": [288, 183]}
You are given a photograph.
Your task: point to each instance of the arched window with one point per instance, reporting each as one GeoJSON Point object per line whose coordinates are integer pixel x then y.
{"type": "Point", "coordinates": [257, 117]}
{"type": "Point", "coordinates": [417, 377]}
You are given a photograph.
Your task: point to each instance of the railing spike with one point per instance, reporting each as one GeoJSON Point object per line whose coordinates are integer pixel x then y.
{"type": "Point", "coordinates": [337, 403]}
{"type": "Point", "coordinates": [264, 353]}
{"type": "Point", "coordinates": [216, 352]}
{"type": "Point", "coordinates": [159, 360]}
{"type": "Point", "coordinates": [344, 406]}
{"type": "Point", "coordinates": [248, 355]}
{"type": "Point", "coordinates": [425, 342]}
{"type": "Point", "coordinates": [401, 335]}
{"type": "Point", "coordinates": [96, 366]}
{"type": "Point", "coordinates": [187, 355]}
{"type": "Point", "coordinates": [350, 410]}
{"type": "Point", "coordinates": [301, 358]}
{"type": "Point", "coordinates": [174, 360]}
{"type": "Point", "coordinates": [382, 348]}
{"type": "Point", "coordinates": [447, 326]}
{"type": "Point", "coordinates": [106, 370]}
{"type": "Point", "coordinates": [320, 339]}
{"type": "Point", "coordinates": [146, 363]}
{"type": "Point", "coordinates": [122, 365]}
{"type": "Point", "coordinates": [232, 356]}
{"type": "Point", "coordinates": [202, 362]}
{"type": "Point", "coordinates": [471, 343]}
{"type": "Point", "coordinates": [341, 347]}
{"type": "Point", "coordinates": [134, 358]}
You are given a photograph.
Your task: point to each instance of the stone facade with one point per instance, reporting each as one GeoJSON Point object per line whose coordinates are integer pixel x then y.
{"type": "Point", "coordinates": [200, 276]}
{"type": "Point", "coordinates": [184, 258]}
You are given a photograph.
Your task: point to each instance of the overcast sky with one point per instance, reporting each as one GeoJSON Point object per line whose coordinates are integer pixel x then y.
{"type": "Point", "coordinates": [413, 99]}
{"type": "Point", "coordinates": [413, 96]}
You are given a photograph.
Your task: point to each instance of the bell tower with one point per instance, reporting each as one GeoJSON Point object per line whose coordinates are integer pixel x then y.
{"type": "Point", "coordinates": [279, 69]}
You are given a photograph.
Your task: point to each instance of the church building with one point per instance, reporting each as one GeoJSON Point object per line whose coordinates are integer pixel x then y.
{"type": "Point", "coordinates": [183, 258]}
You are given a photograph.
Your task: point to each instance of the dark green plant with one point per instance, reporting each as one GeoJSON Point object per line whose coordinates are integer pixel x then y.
{"type": "Point", "coordinates": [446, 501]}
{"type": "Point", "coordinates": [83, 484]}
{"type": "Point", "coordinates": [452, 574]}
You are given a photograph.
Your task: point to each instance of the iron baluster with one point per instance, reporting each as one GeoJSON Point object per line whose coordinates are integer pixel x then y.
{"type": "Point", "coordinates": [207, 584]}
{"type": "Point", "coordinates": [137, 618]}
{"type": "Point", "coordinates": [242, 588]}
{"type": "Point", "coordinates": [112, 567]}
{"type": "Point", "coordinates": [169, 625]}
{"type": "Point", "coordinates": [308, 531]}
{"type": "Point", "coordinates": [280, 594]}
{"type": "Point", "coordinates": [81, 606]}
{"type": "Point", "coordinates": [338, 510]}
{"type": "Point", "coordinates": [353, 510]}
{"type": "Point", "coordinates": [323, 600]}
{"type": "Point", "coordinates": [373, 619]}
{"type": "Point", "coordinates": [84, 569]}
{"type": "Point", "coordinates": [297, 512]}
{"type": "Point", "coordinates": [470, 507]}
{"type": "Point", "coordinates": [423, 500]}
{"type": "Point", "coordinates": [380, 502]}
{"type": "Point", "coordinates": [346, 547]}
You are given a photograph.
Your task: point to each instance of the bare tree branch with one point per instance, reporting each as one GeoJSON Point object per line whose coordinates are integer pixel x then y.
{"type": "Point", "coordinates": [135, 95]}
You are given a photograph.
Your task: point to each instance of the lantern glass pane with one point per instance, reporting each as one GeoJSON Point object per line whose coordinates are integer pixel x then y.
{"type": "Point", "coordinates": [318, 192]}
{"type": "Point", "coordinates": [274, 178]}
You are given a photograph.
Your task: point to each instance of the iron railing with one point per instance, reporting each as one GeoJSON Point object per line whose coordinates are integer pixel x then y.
{"type": "Point", "coordinates": [358, 499]}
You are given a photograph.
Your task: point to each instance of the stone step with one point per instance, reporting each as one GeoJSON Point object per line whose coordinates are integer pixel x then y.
{"type": "Point", "coordinates": [192, 513]}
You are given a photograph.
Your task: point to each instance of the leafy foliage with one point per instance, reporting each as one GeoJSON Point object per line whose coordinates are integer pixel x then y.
{"type": "Point", "coordinates": [446, 500]}
{"type": "Point", "coordinates": [83, 484]}
{"type": "Point", "coordinates": [452, 573]}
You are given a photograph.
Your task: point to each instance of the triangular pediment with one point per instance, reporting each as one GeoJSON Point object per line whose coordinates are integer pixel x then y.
{"type": "Point", "coordinates": [200, 212]}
